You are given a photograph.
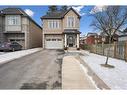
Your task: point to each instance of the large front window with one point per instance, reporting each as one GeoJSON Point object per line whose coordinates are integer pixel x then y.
{"type": "Point", "coordinates": [13, 20]}
{"type": "Point", "coordinates": [12, 23]}
{"type": "Point", "coordinates": [70, 22]}
{"type": "Point", "coordinates": [53, 24]}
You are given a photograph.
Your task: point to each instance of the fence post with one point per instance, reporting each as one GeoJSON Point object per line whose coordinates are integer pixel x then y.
{"type": "Point", "coordinates": [115, 50]}
{"type": "Point", "coordinates": [102, 48]}
{"type": "Point", "coordinates": [126, 51]}
{"type": "Point", "coordinates": [95, 48]}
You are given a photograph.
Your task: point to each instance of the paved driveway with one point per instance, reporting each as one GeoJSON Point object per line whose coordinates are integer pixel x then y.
{"type": "Point", "coordinates": [41, 70]}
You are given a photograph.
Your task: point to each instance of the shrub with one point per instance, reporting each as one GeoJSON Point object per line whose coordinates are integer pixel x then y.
{"type": "Point", "coordinates": [85, 47]}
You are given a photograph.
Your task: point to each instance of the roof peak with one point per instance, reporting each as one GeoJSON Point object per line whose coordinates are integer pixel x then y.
{"type": "Point", "coordinates": [58, 14]}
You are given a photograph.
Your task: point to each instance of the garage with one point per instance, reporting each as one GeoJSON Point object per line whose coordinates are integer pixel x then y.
{"type": "Point", "coordinates": [53, 42]}
{"type": "Point", "coordinates": [20, 41]}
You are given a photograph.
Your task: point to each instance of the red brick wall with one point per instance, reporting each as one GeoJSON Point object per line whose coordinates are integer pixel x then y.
{"type": "Point", "coordinates": [90, 40]}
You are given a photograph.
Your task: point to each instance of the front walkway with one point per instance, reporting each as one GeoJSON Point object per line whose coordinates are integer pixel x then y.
{"type": "Point", "coordinates": [74, 75]}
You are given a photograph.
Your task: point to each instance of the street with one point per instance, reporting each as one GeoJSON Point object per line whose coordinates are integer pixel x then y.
{"type": "Point", "coordinates": [41, 70]}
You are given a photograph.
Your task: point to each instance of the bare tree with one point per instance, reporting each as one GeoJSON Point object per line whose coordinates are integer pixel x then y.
{"type": "Point", "coordinates": [110, 20]}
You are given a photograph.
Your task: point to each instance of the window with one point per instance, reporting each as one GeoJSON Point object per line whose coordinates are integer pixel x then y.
{"type": "Point", "coordinates": [53, 24]}
{"type": "Point", "coordinates": [59, 39]}
{"type": "Point", "coordinates": [48, 39]}
{"type": "Point", "coordinates": [13, 20]}
{"type": "Point", "coordinates": [70, 22]}
{"type": "Point", "coordinates": [53, 39]}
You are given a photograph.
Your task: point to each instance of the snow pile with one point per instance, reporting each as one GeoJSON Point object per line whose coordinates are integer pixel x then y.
{"type": "Point", "coordinates": [1, 53]}
{"type": "Point", "coordinates": [115, 78]}
{"type": "Point", "coordinates": [17, 54]}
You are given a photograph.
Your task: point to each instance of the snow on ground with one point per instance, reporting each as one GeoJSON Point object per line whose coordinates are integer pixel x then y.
{"type": "Point", "coordinates": [17, 54]}
{"type": "Point", "coordinates": [115, 78]}
{"type": "Point", "coordinates": [2, 53]}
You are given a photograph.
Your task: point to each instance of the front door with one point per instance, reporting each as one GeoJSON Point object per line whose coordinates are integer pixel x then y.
{"type": "Point", "coordinates": [70, 41]}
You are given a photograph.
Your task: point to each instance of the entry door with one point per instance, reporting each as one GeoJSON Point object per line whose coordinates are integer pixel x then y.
{"type": "Point", "coordinates": [70, 41]}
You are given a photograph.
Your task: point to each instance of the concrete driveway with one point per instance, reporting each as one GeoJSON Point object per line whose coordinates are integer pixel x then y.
{"type": "Point", "coordinates": [41, 70]}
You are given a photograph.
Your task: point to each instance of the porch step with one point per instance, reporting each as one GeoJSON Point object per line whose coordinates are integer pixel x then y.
{"type": "Point", "coordinates": [72, 48]}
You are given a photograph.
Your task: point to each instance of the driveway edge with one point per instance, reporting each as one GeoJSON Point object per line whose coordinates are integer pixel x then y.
{"type": "Point", "coordinates": [2, 63]}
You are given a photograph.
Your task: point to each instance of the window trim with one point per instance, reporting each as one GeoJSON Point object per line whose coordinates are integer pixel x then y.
{"type": "Point", "coordinates": [53, 24]}
{"type": "Point", "coordinates": [13, 20]}
{"type": "Point", "coordinates": [68, 22]}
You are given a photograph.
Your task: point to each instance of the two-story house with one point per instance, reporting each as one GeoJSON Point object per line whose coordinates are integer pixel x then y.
{"type": "Point", "coordinates": [16, 25]}
{"type": "Point", "coordinates": [61, 29]}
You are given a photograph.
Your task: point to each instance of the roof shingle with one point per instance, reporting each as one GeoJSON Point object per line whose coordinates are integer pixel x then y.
{"type": "Point", "coordinates": [58, 14]}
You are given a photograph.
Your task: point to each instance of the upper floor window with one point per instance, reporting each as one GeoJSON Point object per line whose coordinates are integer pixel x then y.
{"type": "Point", "coordinates": [53, 24]}
{"type": "Point", "coordinates": [13, 20]}
{"type": "Point", "coordinates": [70, 22]}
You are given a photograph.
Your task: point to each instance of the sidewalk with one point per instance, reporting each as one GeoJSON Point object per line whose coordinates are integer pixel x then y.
{"type": "Point", "coordinates": [74, 75]}
{"type": "Point", "coordinates": [4, 58]}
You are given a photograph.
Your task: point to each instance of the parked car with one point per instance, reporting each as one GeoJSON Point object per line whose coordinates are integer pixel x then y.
{"type": "Point", "coordinates": [10, 46]}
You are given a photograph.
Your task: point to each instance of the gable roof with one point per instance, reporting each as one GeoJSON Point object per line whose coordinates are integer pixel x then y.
{"type": "Point", "coordinates": [59, 14]}
{"type": "Point", "coordinates": [12, 11]}
{"type": "Point", "coordinates": [56, 14]}
{"type": "Point", "coordinates": [17, 11]}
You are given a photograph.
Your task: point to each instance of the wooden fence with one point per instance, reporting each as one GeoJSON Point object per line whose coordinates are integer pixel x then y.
{"type": "Point", "coordinates": [117, 50]}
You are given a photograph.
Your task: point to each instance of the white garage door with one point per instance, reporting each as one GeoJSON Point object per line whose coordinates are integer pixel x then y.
{"type": "Point", "coordinates": [54, 43]}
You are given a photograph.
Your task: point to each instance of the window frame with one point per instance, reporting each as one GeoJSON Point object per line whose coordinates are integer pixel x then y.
{"type": "Point", "coordinates": [69, 23]}
{"type": "Point", "coordinates": [53, 24]}
{"type": "Point", "coordinates": [13, 20]}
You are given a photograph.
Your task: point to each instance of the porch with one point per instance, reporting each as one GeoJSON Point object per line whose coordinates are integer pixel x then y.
{"type": "Point", "coordinates": [71, 38]}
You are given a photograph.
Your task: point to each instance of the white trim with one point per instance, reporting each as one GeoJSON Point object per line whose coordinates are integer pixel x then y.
{"type": "Point", "coordinates": [55, 24]}
{"type": "Point", "coordinates": [71, 25]}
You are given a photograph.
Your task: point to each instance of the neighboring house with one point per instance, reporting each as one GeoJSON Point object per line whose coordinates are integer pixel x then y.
{"type": "Point", "coordinates": [16, 25]}
{"type": "Point", "coordinates": [93, 38]}
{"type": "Point", "coordinates": [123, 36]}
{"type": "Point", "coordinates": [106, 37]}
{"type": "Point", "coordinates": [61, 29]}
{"type": "Point", "coordinates": [82, 40]}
